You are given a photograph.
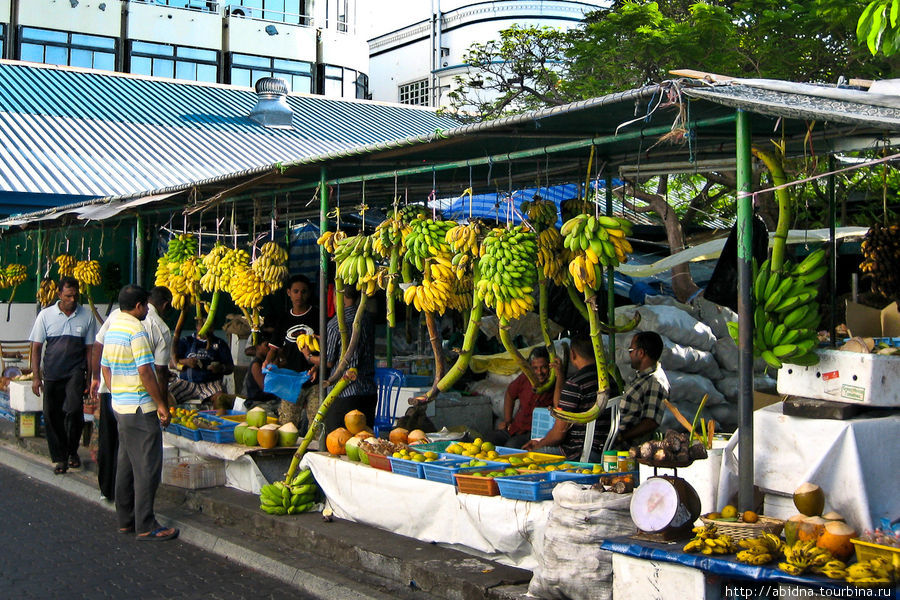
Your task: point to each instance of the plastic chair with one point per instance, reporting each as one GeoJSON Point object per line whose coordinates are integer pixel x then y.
{"type": "Point", "coordinates": [389, 382]}
{"type": "Point", "coordinates": [613, 406]}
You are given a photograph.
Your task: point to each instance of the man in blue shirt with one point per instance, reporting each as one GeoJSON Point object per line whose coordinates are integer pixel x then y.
{"type": "Point", "coordinates": [67, 330]}
{"type": "Point", "coordinates": [202, 362]}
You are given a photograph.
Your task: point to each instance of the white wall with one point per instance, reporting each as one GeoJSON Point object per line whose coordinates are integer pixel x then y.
{"type": "Point", "coordinates": [343, 50]}
{"type": "Point", "coordinates": [152, 23]}
{"type": "Point", "coordinates": [22, 318]}
{"type": "Point", "coordinates": [4, 11]}
{"type": "Point", "coordinates": [248, 36]}
{"type": "Point", "coordinates": [86, 17]}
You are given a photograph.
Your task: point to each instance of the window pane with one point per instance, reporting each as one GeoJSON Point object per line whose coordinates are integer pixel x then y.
{"type": "Point", "coordinates": [335, 72]}
{"type": "Point", "coordinates": [45, 35]}
{"type": "Point", "coordinates": [257, 74]}
{"type": "Point", "coordinates": [104, 61]}
{"type": "Point", "coordinates": [163, 68]}
{"type": "Point", "coordinates": [157, 49]}
{"type": "Point", "coordinates": [301, 84]}
{"type": "Point", "coordinates": [141, 65]}
{"type": "Point", "coordinates": [333, 88]}
{"type": "Point", "coordinates": [2, 28]}
{"type": "Point", "coordinates": [349, 83]}
{"type": "Point", "coordinates": [82, 58]}
{"type": "Point", "coordinates": [32, 53]}
{"type": "Point", "coordinates": [246, 60]}
{"type": "Point", "coordinates": [93, 41]}
{"type": "Point", "coordinates": [186, 70]}
{"type": "Point", "coordinates": [240, 77]}
{"type": "Point", "coordinates": [292, 66]}
{"type": "Point", "coordinates": [208, 73]}
{"type": "Point", "coordinates": [197, 54]}
{"type": "Point", "coordinates": [56, 55]}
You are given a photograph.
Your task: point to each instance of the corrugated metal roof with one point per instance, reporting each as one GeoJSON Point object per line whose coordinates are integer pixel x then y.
{"type": "Point", "coordinates": [85, 133]}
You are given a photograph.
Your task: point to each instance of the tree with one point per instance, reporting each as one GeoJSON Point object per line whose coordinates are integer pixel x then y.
{"type": "Point", "coordinates": [879, 27]}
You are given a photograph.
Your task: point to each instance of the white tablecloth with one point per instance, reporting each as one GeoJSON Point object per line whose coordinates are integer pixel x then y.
{"type": "Point", "coordinates": [854, 462]}
{"type": "Point", "coordinates": [241, 471]}
{"type": "Point", "coordinates": [490, 527]}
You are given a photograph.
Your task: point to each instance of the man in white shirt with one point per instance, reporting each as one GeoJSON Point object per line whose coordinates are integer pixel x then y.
{"type": "Point", "coordinates": [160, 344]}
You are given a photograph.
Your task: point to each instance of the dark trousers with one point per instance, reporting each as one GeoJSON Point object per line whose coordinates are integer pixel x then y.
{"type": "Point", "coordinates": [64, 416]}
{"type": "Point", "coordinates": [108, 447]}
{"type": "Point", "coordinates": [342, 405]}
{"type": "Point", "coordinates": [139, 470]}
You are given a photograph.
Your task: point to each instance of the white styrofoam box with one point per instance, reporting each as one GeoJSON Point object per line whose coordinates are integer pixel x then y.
{"type": "Point", "coordinates": [850, 377]}
{"type": "Point", "coordinates": [638, 579]}
{"type": "Point", "coordinates": [779, 506]}
{"type": "Point", "coordinates": [169, 451]}
{"type": "Point", "coordinates": [22, 399]}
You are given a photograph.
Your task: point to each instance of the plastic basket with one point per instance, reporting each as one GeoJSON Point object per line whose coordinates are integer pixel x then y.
{"type": "Point", "coordinates": [223, 435]}
{"type": "Point", "coordinates": [228, 413]}
{"type": "Point", "coordinates": [536, 457]}
{"type": "Point", "coordinates": [443, 470]}
{"type": "Point", "coordinates": [482, 486]}
{"type": "Point", "coordinates": [193, 472]}
{"type": "Point", "coordinates": [870, 550]}
{"type": "Point", "coordinates": [191, 434]}
{"type": "Point", "coordinates": [541, 422]}
{"type": "Point", "coordinates": [590, 478]}
{"type": "Point", "coordinates": [377, 461]}
{"type": "Point", "coordinates": [174, 429]}
{"type": "Point", "coordinates": [410, 468]}
{"type": "Point", "coordinates": [438, 447]}
{"type": "Point", "coordinates": [536, 487]}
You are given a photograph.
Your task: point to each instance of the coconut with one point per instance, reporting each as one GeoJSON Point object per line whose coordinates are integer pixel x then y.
{"type": "Point", "coordinates": [416, 436]}
{"type": "Point", "coordinates": [257, 417]}
{"type": "Point", "coordinates": [809, 499]}
{"type": "Point", "coordinates": [810, 528]}
{"type": "Point", "coordinates": [271, 426]}
{"type": "Point", "coordinates": [239, 433]}
{"type": "Point", "coordinates": [352, 448]}
{"type": "Point", "coordinates": [251, 436]}
{"type": "Point", "coordinates": [399, 436]}
{"type": "Point", "coordinates": [355, 421]}
{"type": "Point", "coordinates": [833, 516]}
{"type": "Point", "coordinates": [791, 526]}
{"type": "Point", "coordinates": [288, 434]}
{"type": "Point", "coordinates": [337, 440]}
{"type": "Point", "coordinates": [364, 435]}
{"type": "Point", "coordinates": [268, 438]}
{"type": "Point", "coordinates": [836, 539]}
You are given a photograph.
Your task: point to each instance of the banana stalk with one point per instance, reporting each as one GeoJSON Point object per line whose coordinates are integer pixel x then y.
{"type": "Point", "coordinates": [577, 302]}
{"type": "Point", "coordinates": [339, 312]}
{"type": "Point", "coordinates": [543, 309]}
{"type": "Point", "coordinates": [211, 315]}
{"type": "Point", "coordinates": [773, 163]}
{"type": "Point", "coordinates": [599, 353]}
{"type": "Point", "coordinates": [391, 291]}
{"type": "Point", "coordinates": [697, 416]}
{"type": "Point", "coordinates": [10, 301]}
{"type": "Point", "coordinates": [351, 344]}
{"type": "Point", "coordinates": [90, 298]}
{"type": "Point", "coordinates": [435, 338]}
{"type": "Point", "coordinates": [318, 421]}
{"type": "Point", "coordinates": [176, 335]}
{"type": "Point", "coordinates": [514, 352]}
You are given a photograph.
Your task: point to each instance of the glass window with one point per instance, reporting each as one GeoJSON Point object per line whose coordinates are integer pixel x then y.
{"type": "Point", "coordinates": [2, 39]}
{"type": "Point", "coordinates": [349, 83]}
{"type": "Point", "coordinates": [64, 48]}
{"type": "Point", "coordinates": [362, 86]}
{"type": "Point", "coordinates": [292, 66]}
{"type": "Point", "coordinates": [247, 69]}
{"type": "Point", "coordinates": [333, 88]}
{"type": "Point", "coordinates": [180, 62]}
{"type": "Point", "coordinates": [240, 77]}
{"type": "Point", "coordinates": [415, 92]}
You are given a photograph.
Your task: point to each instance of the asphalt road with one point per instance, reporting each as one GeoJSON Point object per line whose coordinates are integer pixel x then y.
{"type": "Point", "coordinates": [56, 545]}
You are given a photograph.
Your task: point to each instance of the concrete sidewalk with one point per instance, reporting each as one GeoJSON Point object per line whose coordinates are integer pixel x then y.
{"type": "Point", "coordinates": [337, 559]}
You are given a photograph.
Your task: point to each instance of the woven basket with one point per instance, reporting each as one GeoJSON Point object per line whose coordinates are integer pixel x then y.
{"type": "Point", "coordinates": [744, 531]}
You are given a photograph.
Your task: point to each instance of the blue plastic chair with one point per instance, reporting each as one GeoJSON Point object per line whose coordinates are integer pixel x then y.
{"type": "Point", "coordinates": [389, 382]}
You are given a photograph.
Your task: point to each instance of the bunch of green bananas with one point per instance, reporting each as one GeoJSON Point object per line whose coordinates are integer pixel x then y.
{"type": "Point", "coordinates": [389, 234]}
{"type": "Point", "coordinates": [300, 496]}
{"type": "Point", "coordinates": [541, 213]}
{"type": "Point", "coordinates": [271, 266]}
{"type": "Point", "coordinates": [787, 312]}
{"type": "Point", "coordinates": [601, 239]}
{"type": "Point", "coordinates": [354, 257]}
{"type": "Point", "coordinates": [552, 255]}
{"type": "Point", "coordinates": [881, 259]}
{"type": "Point", "coordinates": [305, 340]}
{"type": "Point", "coordinates": [707, 540]}
{"type": "Point", "coordinates": [760, 550]}
{"type": "Point", "coordinates": [803, 556]}
{"type": "Point", "coordinates": [330, 240]}
{"type": "Point", "coordinates": [181, 247]}
{"type": "Point", "coordinates": [463, 239]}
{"type": "Point", "coordinates": [507, 271]}
{"type": "Point", "coordinates": [875, 572]}
{"type": "Point", "coordinates": [47, 292]}
{"type": "Point", "coordinates": [87, 272]}
{"type": "Point", "coordinates": [15, 274]}
{"type": "Point", "coordinates": [66, 265]}
{"type": "Point", "coordinates": [427, 238]}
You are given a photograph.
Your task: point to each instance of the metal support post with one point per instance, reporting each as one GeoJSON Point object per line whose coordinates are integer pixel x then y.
{"type": "Point", "coordinates": [323, 280]}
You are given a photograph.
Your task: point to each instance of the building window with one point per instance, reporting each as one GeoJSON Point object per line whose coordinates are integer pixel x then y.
{"type": "Point", "coordinates": [67, 49]}
{"type": "Point", "coordinates": [283, 11]}
{"type": "Point", "coordinates": [338, 82]}
{"type": "Point", "coordinates": [204, 5]}
{"type": "Point", "coordinates": [177, 62]}
{"type": "Point", "coordinates": [2, 39]}
{"type": "Point", "coordinates": [362, 86]}
{"type": "Point", "coordinates": [343, 16]}
{"type": "Point", "coordinates": [246, 69]}
{"type": "Point", "coordinates": [414, 93]}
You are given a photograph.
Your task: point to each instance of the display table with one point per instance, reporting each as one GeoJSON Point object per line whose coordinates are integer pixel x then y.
{"type": "Point", "coordinates": [643, 570]}
{"type": "Point", "coordinates": [490, 527]}
{"type": "Point", "coordinates": [854, 461]}
{"type": "Point", "coordinates": [241, 471]}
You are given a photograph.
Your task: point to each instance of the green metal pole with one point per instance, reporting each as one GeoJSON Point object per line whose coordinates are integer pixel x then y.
{"type": "Point", "coordinates": [40, 259]}
{"type": "Point", "coordinates": [832, 243]}
{"type": "Point", "coordinates": [141, 252]}
{"type": "Point", "coordinates": [745, 311]}
{"type": "Point", "coordinates": [610, 274]}
{"type": "Point", "coordinates": [323, 280]}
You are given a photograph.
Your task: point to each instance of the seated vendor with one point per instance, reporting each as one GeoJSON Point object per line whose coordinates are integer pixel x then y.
{"type": "Point", "coordinates": [252, 390]}
{"type": "Point", "coordinates": [514, 430]}
{"type": "Point", "coordinates": [202, 361]}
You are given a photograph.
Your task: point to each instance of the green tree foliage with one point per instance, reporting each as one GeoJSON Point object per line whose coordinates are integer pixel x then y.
{"type": "Point", "coordinates": [879, 27]}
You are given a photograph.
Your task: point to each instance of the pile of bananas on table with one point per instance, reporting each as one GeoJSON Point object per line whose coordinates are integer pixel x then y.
{"type": "Point", "coordinates": [708, 540]}
{"type": "Point", "coordinates": [806, 556]}
{"type": "Point", "coordinates": [301, 495]}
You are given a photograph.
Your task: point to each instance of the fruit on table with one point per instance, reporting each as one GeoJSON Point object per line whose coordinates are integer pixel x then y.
{"type": "Point", "coordinates": [791, 528]}
{"type": "Point", "coordinates": [729, 512]}
{"type": "Point", "coordinates": [267, 438]}
{"type": "Point", "coordinates": [410, 454]}
{"type": "Point", "coordinates": [355, 421]}
{"type": "Point", "coordinates": [288, 434]}
{"type": "Point", "coordinates": [803, 556]}
{"type": "Point", "coordinates": [239, 433]}
{"type": "Point", "coordinates": [351, 448]}
{"type": "Point", "coordinates": [750, 517]}
{"type": "Point", "coordinates": [416, 436]}
{"type": "Point", "coordinates": [337, 440]}
{"type": "Point", "coordinates": [836, 539]}
{"type": "Point", "coordinates": [399, 435]}
{"type": "Point", "coordinates": [810, 529]}
{"type": "Point", "coordinates": [251, 436]}
{"type": "Point", "coordinates": [833, 516]}
{"type": "Point", "coordinates": [809, 499]}
{"type": "Point", "coordinates": [300, 495]}
{"type": "Point", "coordinates": [707, 540]}
{"type": "Point", "coordinates": [257, 417]}
{"type": "Point", "coordinates": [876, 572]}
{"type": "Point", "coordinates": [760, 550]}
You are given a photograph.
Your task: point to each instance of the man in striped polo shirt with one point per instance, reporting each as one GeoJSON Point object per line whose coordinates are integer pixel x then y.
{"type": "Point", "coordinates": [140, 407]}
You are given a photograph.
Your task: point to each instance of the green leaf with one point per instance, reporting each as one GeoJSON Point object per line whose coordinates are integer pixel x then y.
{"type": "Point", "coordinates": [895, 12]}
{"type": "Point", "coordinates": [876, 29]}
{"type": "Point", "coordinates": [865, 22]}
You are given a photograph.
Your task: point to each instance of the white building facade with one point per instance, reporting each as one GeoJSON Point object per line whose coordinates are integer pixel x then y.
{"type": "Point", "coordinates": [416, 63]}
{"type": "Point", "coordinates": [313, 44]}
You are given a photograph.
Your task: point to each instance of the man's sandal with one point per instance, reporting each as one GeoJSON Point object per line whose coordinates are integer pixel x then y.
{"type": "Point", "coordinates": [159, 535]}
{"type": "Point", "coordinates": [74, 461]}
{"type": "Point", "coordinates": [60, 468]}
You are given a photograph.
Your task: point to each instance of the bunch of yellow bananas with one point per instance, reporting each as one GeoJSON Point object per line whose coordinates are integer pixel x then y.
{"type": "Point", "coordinates": [427, 238]}
{"type": "Point", "coordinates": [388, 234]}
{"type": "Point", "coordinates": [87, 272]}
{"type": "Point", "coordinates": [552, 256]}
{"type": "Point", "coordinates": [787, 313]}
{"type": "Point", "coordinates": [270, 265]}
{"type": "Point", "coordinates": [356, 263]}
{"type": "Point", "coordinates": [47, 292]}
{"type": "Point", "coordinates": [802, 556]}
{"type": "Point", "coordinates": [220, 266]}
{"type": "Point", "coordinates": [576, 206]}
{"type": "Point", "coordinates": [66, 265]}
{"type": "Point", "coordinates": [541, 213]}
{"type": "Point", "coordinates": [178, 301]}
{"type": "Point", "coordinates": [461, 295]}
{"type": "Point", "coordinates": [15, 274]}
{"type": "Point", "coordinates": [760, 550]}
{"type": "Point", "coordinates": [246, 287]}
{"type": "Point", "coordinates": [507, 271]}
{"type": "Point", "coordinates": [305, 340]}
{"type": "Point", "coordinates": [463, 239]}
{"type": "Point", "coordinates": [876, 572]}
{"type": "Point", "coordinates": [330, 240]}
{"type": "Point", "coordinates": [707, 540]}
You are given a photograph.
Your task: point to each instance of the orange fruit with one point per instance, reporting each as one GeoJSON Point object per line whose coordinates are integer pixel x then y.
{"type": "Point", "coordinates": [729, 512]}
{"type": "Point", "coordinates": [750, 517]}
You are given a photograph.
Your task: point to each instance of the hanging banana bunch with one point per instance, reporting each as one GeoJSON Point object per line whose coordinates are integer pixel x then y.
{"type": "Point", "coordinates": [388, 243]}
{"type": "Point", "coordinates": [47, 292]}
{"type": "Point", "coordinates": [221, 265]}
{"type": "Point", "coordinates": [464, 240]}
{"type": "Point", "coordinates": [330, 239]}
{"type": "Point", "coordinates": [180, 270]}
{"type": "Point", "coordinates": [87, 272]}
{"type": "Point", "coordinates": [66, 265]}
{"type": "Point", "coordinates": [355, 260]}
{"type": "Point", "coordinates": [271, 266]}
{"type": "Point", "coordinates": [541, 213]}
{"type": "Point", "coordinates": [427, 239]}
{"type": "Point", "coordinates": [13, 276]}
{"type": "Point", "coordinates": [508, 272]}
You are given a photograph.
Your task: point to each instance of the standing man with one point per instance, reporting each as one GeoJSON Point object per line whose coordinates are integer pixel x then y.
{"type": "Point", "coordinates": [141, 407]}
{"type": "Point", "coordinates": [68, 331]}
{"type": "Point", "coordinates": [642, 406]}
{"type": "Point", "coordinates": [160, 339]}
{"type": "Point", "coordinates": [578, 393]}
{"type": "Point", "coordinates": [301, 318]}
{"type": "Point", "coordinates": [514, 431]}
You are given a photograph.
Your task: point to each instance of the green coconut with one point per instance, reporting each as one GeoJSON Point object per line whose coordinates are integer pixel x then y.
{"type": "Point", "coordinates": [809, 499]}
{"type": "Point", "coordinates": [257, 417]}
{"type": "Point", "coordinates": [239, 433]}
{"type": "Point", "coordinates": [288, 434]}
{"type": "Point", "coordinates": [352, 448]}
{"type": "Point", "coordinates": [250, 436]}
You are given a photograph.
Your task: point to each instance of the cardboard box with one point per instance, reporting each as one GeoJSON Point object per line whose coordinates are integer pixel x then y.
{"type": "Point", "coordinates": [865, 321]}
{"type": "Point", "coordinates": [22, 399]}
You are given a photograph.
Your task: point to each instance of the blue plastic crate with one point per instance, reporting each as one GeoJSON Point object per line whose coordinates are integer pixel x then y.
{"type": "Point", "coordinates": [541, 422]}
{"type": "Point", "coordinates": [893, 342]}
{"type": "Point", "coordinates": [501, 450]}
{"type": "Point", "coordinates": [174, 429]}
{"type": "Point", "coordinates": [410, 468]}
{"type": "Point", "coordinates": [191, 434]}
{"type": "Point", "coordinates": [228, 413]}
{"type": "Point", "coordinates": [442, 470]}
{"type": "Point", "coordinates": [533, 488]}
{"type": "Point", "coordinates": [431, 447]}
{"type": "Point", "coordinates": [223, 435]}
{"type": "Point", "coordinates": [591, 478]}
